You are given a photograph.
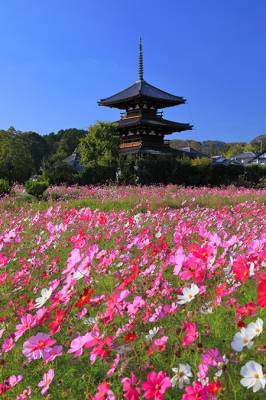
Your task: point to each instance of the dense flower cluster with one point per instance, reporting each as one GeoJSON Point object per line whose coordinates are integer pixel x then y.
{"type": "Point", "coordinates": [157, 305]}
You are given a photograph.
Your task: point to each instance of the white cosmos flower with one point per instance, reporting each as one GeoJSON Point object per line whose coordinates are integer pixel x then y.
{"type": "Point", "coordinates": [188, 294]}
{"type": "Point", "coordinates": [255, 328]}
{"type": "Point", "coordinates": [152, 332]}
{"type": "Point", "coordinates": [253, 376]}
{"type": "Point", "coordinates": [45, 295]}
{"type": "Point", "coordinates": [78, 275]}
{"type": "Point", "coordinates": [90, 321]}
{"type": "Point", "coordinates": [242, 339]}
{"type": "Point", "coordinates": [182, 375]}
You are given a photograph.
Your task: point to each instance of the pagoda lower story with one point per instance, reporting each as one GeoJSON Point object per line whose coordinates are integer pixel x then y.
{"type": "Point", "coordinates": [141, 126]}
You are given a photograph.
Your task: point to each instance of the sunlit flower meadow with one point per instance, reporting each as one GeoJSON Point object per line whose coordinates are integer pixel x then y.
{"type": "Point", "coordinates": [160, 295]}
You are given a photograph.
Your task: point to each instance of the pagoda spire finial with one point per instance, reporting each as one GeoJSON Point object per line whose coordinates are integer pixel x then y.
{"type": "Point", "coordinates": [140, 60]}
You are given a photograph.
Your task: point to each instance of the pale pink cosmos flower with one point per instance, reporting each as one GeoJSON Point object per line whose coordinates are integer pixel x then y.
{"type": "Point", "coordinates": [13, 380]}
{"type": "Point", "coordinates": [50, 353]}
{"type": "Point", "coordinates": [33, 348]}
{"type": "Point", "coordinates": [79, 342]}
{"type": "Point", "coordinates": [46, 381]}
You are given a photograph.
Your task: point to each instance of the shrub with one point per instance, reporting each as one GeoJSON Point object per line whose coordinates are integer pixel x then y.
{"type": "Point", "coordinates": [36, 188]}
{"type": "Point", "coordinates": [4, 187]}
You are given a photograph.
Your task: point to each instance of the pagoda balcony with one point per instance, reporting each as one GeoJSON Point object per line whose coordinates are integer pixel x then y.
{"type": "Point", "coordinates": [126, 115]}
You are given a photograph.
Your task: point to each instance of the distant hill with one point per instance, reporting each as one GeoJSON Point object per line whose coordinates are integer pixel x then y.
{"type": "Point", "coordinates": [217, 147]}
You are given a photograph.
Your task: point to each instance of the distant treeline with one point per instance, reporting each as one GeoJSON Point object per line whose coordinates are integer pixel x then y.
{"type": "Point", "coordinates": [216, 147]}
{"type": "Point", "coordinates": [24, 154]}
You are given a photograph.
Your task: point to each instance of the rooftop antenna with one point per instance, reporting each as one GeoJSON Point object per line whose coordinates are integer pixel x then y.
{"type": "Point", "coordinates": [140, 60]}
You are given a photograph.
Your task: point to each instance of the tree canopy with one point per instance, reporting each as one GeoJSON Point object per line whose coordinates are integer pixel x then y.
{"type": "Point", "coordinates": [100, 146]}
{"type": "Point", "coordinates": [16, 163]}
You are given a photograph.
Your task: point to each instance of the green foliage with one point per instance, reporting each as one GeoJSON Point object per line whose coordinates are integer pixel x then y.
{"type": "Point", "coordinates": [216, 147]}
{"type": "Point", "coordinates": [4, 187]}
{"type": "Point", "coordinates": [58, 172]}
{"type": "Point", "coordinates": [197, 172]}
{"type": "Point", "coordinates": [97, 175]}
{"type": "Point", "coordinates": [16, 163]}
{"type": "Point", "coordinates": [201, 162]}
{"type": "Point", "coordinates": [38, 147]}
{"type": "Point", "coordinates": [62, 144]}
{"type": "Point", "coordinates": [36, 188]}
{"type": "Point", "coordinates": [259, 143]}
{"type": "Point", "coordinates": [100, 146]}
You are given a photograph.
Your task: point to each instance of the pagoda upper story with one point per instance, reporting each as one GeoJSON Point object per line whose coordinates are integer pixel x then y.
{"type": "Point", "coordinates": [142, 126]}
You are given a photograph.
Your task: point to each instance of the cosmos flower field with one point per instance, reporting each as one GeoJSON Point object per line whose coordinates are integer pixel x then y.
{"type": "Point", "coordinates": [133, 293]}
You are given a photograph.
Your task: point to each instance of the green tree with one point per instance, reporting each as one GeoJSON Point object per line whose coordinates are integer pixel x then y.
{"type": "Point", "coordinates": [16, 163]}
{"type": "Point", "coordinates": [62, 144]}
{"type": "Point", "coordinates": [38, 147]}
{"type": "Point", "coordinates": [259, 143]}
{"type": "Point", "coordinates": [100, 146]}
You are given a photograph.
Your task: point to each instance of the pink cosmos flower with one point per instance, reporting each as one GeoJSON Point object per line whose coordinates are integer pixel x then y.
{"type": "Point", "coordinates": [79, 342]}
{"type": "Point", "coordinates": [177, 259]}
{"type": "Point", "coordinates": [196, 392]}
{"type": "Point", "coordinates": [3, 277]}
{"type": "Point", "coordinates": [114, 366]}
{"type": "Point", "coordinates": [13, 380]}
{"type": "Point", "coordinates": [50, 353]}
{"type": "Point", "coordinates": [212, 357]}
{"type": "Point", "coordinates": [104, 392]}
{"type": "Point", "coordinates": [8, 345]}
{"type": "Point", "coordinates": [34, 347]}
{"type": "Point", "coordinates": [102, 348]}
{"type": "Point", "coordinates": [240, 268]}
{"type": "Point", "coordinates": [26, 394]}
{"type": "Point", "coordinates": [46, 380]}
{"type": "Point", "coordinates": [158, 345]}
{"type": "Point", "coordinates": [130, 388]}
{"type": "Point", "coordinates": [27, 322]}
{"type": "Point", "coordinates": [3, 260]}
{"type": "Point", "coordinates": [191, 333]}
{"type": "Point", "coordinates": [156, 385]}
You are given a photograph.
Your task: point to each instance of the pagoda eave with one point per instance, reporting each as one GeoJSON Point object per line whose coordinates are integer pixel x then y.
{"type": "Point", "coordinates": [158, 124]}
{"type": "Point", "coordinates": [142, 91]}
{"type": "Point", "coordinates": [133, 101]}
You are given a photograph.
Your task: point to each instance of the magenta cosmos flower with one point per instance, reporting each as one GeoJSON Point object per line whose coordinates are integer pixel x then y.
{"type": "Point", "coordinates": [34, 347]}
{"type": "Point", "coordinates": [130, 388]}
{"type": "Point", "coordinates": [156, 385]}
{"type": "Point", "coordinates": [196, 392]}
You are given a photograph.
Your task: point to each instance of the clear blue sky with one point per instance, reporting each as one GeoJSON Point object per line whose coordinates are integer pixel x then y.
{"type": "Point", "coordinates": [58, 57]}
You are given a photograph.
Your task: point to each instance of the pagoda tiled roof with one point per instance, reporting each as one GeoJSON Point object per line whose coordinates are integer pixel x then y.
{"type": "Point", "coordinates": [159, 123]}
{"type": "Point", "coordinates": [142, 90]}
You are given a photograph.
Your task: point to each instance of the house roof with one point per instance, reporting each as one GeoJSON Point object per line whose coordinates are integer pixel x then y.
{"type": "Point", "coordinates": [260, 155]}
{"type": "Point", "coordinates": [193, 151]}
{"type": "Point", "coordinates": [145, 91]}
{"type": "Point", "coordinates": [244, 155]}
{"type": "Point", "coordinates": [74, 161]}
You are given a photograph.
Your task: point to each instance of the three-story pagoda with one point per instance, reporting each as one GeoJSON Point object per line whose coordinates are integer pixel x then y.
{"type": "Point", "coordinates": [142, 126]}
